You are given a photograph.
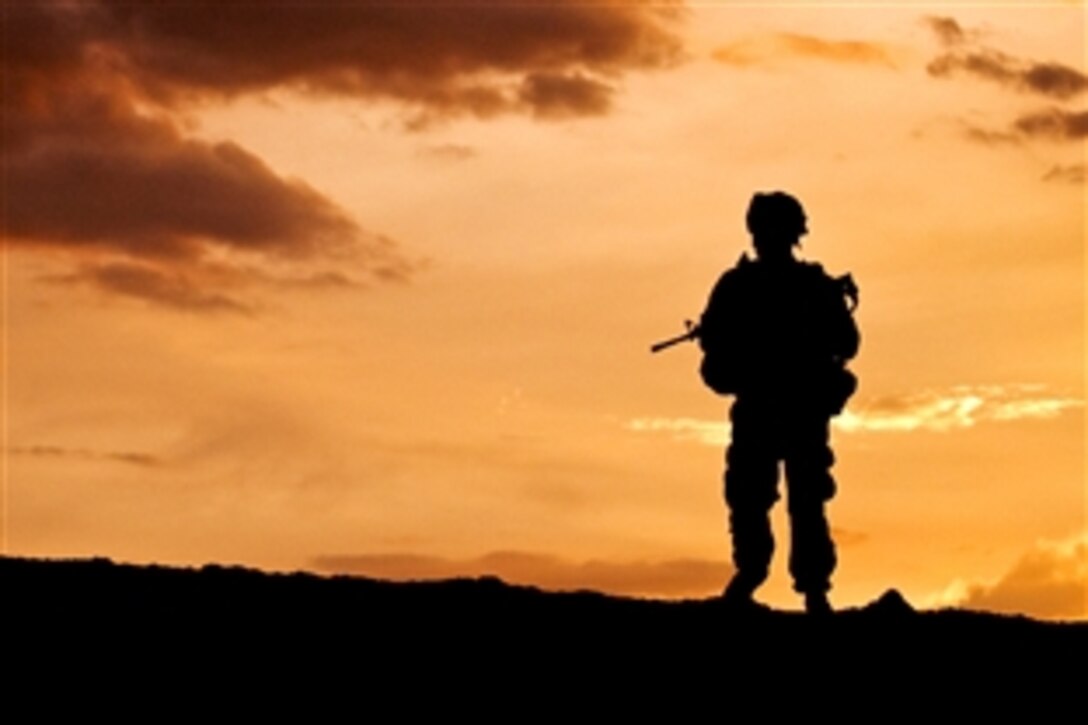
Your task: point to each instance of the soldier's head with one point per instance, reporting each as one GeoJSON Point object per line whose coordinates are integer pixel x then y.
{"type": "Point", "coordinates": [776, 221]}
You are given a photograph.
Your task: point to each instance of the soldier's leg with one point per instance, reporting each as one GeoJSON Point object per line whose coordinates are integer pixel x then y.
{"type": "Point", "coordinates": [751, 489]}
{"type": "Point", "coordinates": [810, 485]}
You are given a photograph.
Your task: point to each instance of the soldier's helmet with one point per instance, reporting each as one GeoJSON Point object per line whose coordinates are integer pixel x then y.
{"type": "Point", "coordinates": [778, 215]}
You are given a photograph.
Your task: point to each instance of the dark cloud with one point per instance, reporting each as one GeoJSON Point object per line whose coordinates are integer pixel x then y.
{"type": "Point", "coordinates": [149, 213]}
{"type": "Point", "coordinates": [760, 49]}
{"type": "Point", "coordinates": [199, 288]}
{"type": "Point", "coordinates": [1054, 79]}
{"type": "Point", "coordinates": [966, 57]}
{"type": "Point", "coordinates": [1054, 124]}
{"type": "Point", "coordinates": [442, 53]}
{"type": "Point", "coordinates": [425, 52]}
{"type": "Point", "coordinates": [93, 173]}
{"type": "Point", "coordinates": [947, 30]}
{"type": "Point", "coordinates": [83, 454]}
{"type": "Point", "coordinates": [552, 95]}
{"type": "Point", "coordinates": [986, 64]}
{"type": "Point", "coordinates": [1047, 79]}
{"type": "Point", "coordinates": [1048, 581]}
{"type": "Point", "coordinates": [1072, 174]}
{"type": "Point", "coordinates": [98, 163]}
{"type": "Point", "coordinates": [671, 578]}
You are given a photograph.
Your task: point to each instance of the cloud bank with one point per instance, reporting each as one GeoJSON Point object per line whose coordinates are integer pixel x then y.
{"type": "Point", "coordinates": [99, 95]}
{"type": "Point", "coordinates": [62, 453]}
{"type": "Point", "coordinates": [447, 56]}
{"type": "Point", "coordinates": [764, 49]}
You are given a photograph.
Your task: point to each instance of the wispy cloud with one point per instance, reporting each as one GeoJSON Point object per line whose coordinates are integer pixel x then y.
{"type": "Point", "coordinates": [764, 49]}
{"type": "Point", "coordinates": [448, 152]}
{"type": "Point", "coordinates": [990, 137]}
{"type": "Point", "coordinates": [1050, 124]}
{"type": "Point", "coordinates": [940, 411]}
{"type": "Point", "coordinates": [1072, 173]}
{"type": "Point", "coordinates": [171, 289]}
{"type": "Point", "coordinates": [711, 433]}
{"type": "Point", "coordinates": [132, 458]}
{"type": "Point", "coordinates": [1049, 580]}
{"type": "Point", "coordinates": [959, 407]}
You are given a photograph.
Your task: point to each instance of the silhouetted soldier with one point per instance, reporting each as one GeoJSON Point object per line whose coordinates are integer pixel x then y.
{"type": "Point", "coordinates": [777, 333]}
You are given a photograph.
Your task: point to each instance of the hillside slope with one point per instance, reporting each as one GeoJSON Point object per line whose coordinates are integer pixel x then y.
{"type": "Point", "coordinates": [486, 632]}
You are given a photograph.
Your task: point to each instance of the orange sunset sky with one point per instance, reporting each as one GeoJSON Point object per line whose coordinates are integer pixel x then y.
{"type": "Point", "coordinates": [368, 287]}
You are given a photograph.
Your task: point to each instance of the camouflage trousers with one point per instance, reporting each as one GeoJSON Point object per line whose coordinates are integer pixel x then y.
{"type": "Point", "coordinates": [765, 435]}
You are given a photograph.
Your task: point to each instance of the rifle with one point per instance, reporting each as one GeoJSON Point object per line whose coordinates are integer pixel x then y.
{"type": "Point", "coordinates": [691, 334]}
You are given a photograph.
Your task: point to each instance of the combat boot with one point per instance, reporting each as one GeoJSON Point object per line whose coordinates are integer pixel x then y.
{"type": "Point", "coordinates": [817, 604]}
{"type": "Point", "coordinates": [738, 594]}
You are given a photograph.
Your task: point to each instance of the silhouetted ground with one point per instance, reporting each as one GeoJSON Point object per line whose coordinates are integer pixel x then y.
{"type": "Point", "coordinates": [109, 622]}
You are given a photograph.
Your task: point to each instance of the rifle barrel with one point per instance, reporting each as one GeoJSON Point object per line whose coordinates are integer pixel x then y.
{"type": "Point", "coordinates": [659, 346]}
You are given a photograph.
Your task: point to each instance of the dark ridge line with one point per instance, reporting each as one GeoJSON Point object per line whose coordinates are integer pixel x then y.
{"type": "Point", "coordinates": [76, 621]}
{"type": "Point", "coordinates": [890, 604]}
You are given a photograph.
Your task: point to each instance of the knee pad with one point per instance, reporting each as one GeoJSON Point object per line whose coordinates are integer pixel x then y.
{"type": "Point", "coordinates": [809, 491]}
{"type": "Point", "coordinates": [808, 476]}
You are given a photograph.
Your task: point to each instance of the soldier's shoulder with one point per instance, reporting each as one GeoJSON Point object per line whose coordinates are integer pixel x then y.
{"type": "Point", "coordinates": [817, 276]}
{"type": "Point", "coordinates": [739, 271]}
{"type": "Point", "coordinates": [733, 278]}
{"type": "Point", "coordinates": [730, 284]}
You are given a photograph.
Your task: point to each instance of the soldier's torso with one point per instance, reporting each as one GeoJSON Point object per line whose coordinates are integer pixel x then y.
{"type": "Point", "coordinates": [773, 324]}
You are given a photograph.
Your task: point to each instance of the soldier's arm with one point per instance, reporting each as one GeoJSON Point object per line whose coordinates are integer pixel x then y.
{"type": "Point", "coordinates": [719, 308]}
